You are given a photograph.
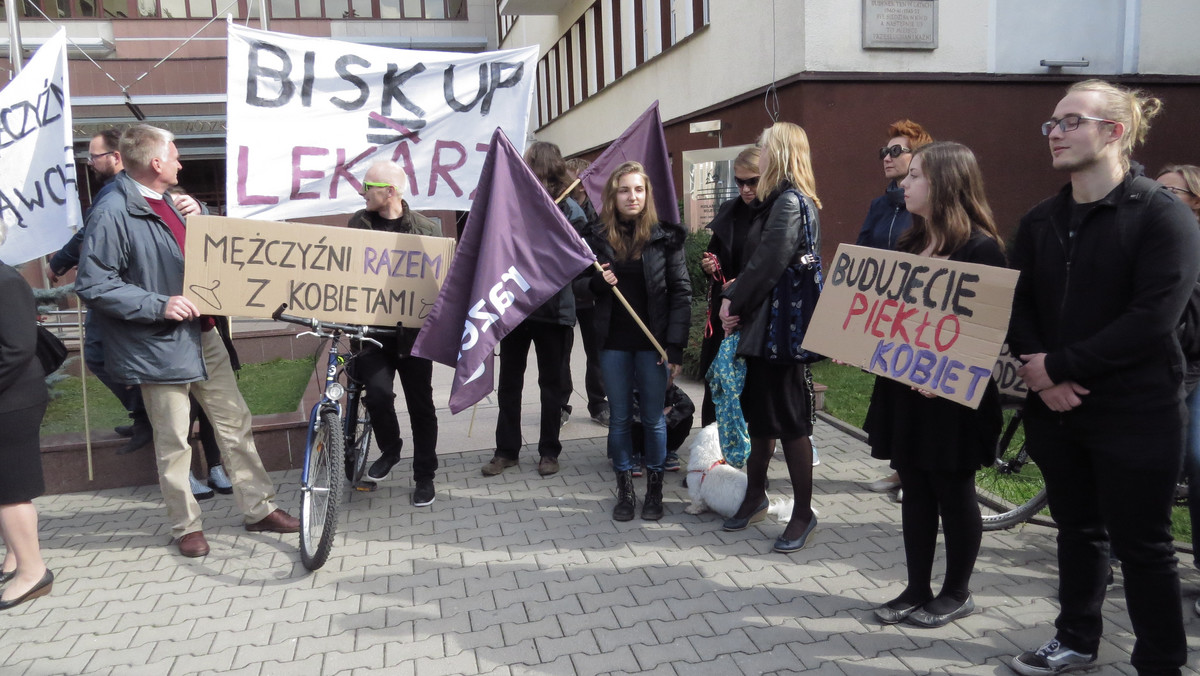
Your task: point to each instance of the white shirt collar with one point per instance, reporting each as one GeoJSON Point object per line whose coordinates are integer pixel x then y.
{"type": "Point", "coordinates": [147, 192]}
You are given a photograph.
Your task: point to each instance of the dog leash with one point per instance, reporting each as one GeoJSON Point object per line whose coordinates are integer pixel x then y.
{"type": "Point", "coordinates": [718, 277]}
{"type": "Point", "coordinates": [704, 472]}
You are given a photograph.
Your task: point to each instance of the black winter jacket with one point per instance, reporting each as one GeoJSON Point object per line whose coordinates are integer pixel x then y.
{"type": "Point", "coordinates": [775, 241]}
{"type": "Point", "coordinates": [886, 220]}
{"type": "Point", "coordinates": [1104, 302]}
{"type": "Point", "coordinates": [669, 289]}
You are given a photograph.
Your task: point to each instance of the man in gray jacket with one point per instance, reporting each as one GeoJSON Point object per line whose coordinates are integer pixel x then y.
{"type": "Point", "coordinates": [131, 274]}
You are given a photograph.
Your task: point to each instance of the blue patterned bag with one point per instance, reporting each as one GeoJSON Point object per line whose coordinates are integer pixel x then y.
{"type": "Point", "coordinates": [726, 377]}
{"type": "Point", "coordinates": [792, 303]}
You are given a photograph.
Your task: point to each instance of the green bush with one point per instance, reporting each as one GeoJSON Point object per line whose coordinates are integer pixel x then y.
{"type": "Point", "coordinates": [695, 245]}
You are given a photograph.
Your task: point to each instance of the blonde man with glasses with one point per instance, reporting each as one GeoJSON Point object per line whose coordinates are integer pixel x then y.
{"type": "Point", "coordinates": [378, 366]}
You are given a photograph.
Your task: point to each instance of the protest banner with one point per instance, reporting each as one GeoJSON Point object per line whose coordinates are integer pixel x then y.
{"type": "Point", "coordinates": [517, 251]}
{"type": "Point", "coordinates": [935, 324]}
{"type": "Point", "coordinates": [308, 116]}
{"type": "Point", "coordinates": [244, 268]}
{"type": "Point", "coordinates": [1005, 375]}
{"type": "Point", "coordinates": [644, 142]}
{"type": "Point", "coordinates": [39, 203]}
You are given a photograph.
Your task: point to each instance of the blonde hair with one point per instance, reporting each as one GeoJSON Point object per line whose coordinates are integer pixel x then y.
{"type": "Point", "coordinates": [1190, 174]}
{"type": "Point", "coordinates": [141, 144]}
{"type": "Point", "coordinates": [627, 247]}
{"type": "Point", "coordinates": [1133, 108]}
{"type": "Point", "coordinates": [747, 160]}
{"type": "Point", "coordinates": [788, 159]}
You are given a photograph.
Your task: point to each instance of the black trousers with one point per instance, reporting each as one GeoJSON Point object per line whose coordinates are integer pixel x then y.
{"type": "Point", "coordinates": [1114, 478]}
{"type": "Point", "coordinates": [377, 369]}
{"type": "Point", "coordinates": [551, 343]}
{"type": "Point", "coordinates": [592, 381]}
{"type": "Point", "coordinates": [950, 495]}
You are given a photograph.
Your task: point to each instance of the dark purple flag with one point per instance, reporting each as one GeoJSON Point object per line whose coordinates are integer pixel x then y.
{"type": "Point", "coordinates": [643, 142]}
{"type": "Point", "coordinates": [516, 251]}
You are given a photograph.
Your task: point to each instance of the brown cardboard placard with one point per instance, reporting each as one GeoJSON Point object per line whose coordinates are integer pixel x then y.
{"type": "Point", "coordinates": [1005, 375]}
{"type": "Point", "coordinates": [932, 323]}
{"type": "Point", "coordinates": [248, 268]}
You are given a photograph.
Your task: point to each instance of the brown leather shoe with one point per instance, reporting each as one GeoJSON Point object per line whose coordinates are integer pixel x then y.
{"type": "Point", "coordinates": [278, 521]}
{"type": "Point", "coordinates": [547, 466]}
{"type": "Point", "coordinates": [193, 545]}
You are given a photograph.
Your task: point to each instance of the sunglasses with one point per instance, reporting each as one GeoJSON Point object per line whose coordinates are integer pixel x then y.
{"type": "Point", "coordinates": [895, 151]}
{"type": "Point", "coordinates": [367, 185]}
{"type": "Point", "coordinates": [746, 182]}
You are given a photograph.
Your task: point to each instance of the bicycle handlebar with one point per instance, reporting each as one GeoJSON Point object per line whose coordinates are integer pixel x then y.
{"type": "Point", "coordinates": [317, 325]}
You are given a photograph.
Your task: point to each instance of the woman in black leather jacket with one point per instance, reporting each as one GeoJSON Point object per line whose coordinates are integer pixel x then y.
{"type": "Point", "coordinates": [776, 399]}
{"type": "Point", "coordinates": [644, 261]}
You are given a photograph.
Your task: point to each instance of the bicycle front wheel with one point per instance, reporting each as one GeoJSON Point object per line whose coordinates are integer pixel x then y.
{"type": "Point", "coordinates": [321, 495]}
{"type": "Point", "coordinates": [1011, 491]}
{"type": "Point", "coordinates": [358, 441]}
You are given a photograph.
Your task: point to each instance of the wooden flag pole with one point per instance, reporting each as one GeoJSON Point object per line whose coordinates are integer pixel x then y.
{"type": "Point", "coordinates": [617, 292]}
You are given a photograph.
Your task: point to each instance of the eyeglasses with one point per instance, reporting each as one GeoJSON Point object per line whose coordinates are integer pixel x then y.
{"type": "Point", "coordinates": [93, 157]}
{"type": "Point", "coordinates": [1070, 123]}
{"type": "Point", "coordinates": [895, 151]}
{"type": "Point", "coordinates": [1179, 191]}
{"type": "Point", "coordinates": [746, 182]}
{"type": "Point", "coordinates": [367, 185]}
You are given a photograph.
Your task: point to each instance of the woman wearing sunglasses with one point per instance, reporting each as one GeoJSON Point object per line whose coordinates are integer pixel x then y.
{"type": "Point", "coordinates": [722, 261]}
{"type": "Point", "coordinates": [887, 218]}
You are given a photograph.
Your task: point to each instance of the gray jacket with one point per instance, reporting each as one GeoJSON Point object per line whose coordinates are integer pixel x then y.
{"type": "Point", "coordinates": [131, 266]}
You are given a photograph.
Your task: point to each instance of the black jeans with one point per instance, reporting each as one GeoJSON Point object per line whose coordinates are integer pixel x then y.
{"type": "Point", "coordinates": [593, 383]}
{"type": "Point", "coordinates": [551, 343]}
{"type": "Point", "coordinates": [377, 368]}
{"type": "Point", "coordinates": [1114, 478]}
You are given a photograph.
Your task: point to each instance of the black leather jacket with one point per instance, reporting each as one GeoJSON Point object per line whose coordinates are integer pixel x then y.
{"type": "Point", "coordinates": [669, 288]}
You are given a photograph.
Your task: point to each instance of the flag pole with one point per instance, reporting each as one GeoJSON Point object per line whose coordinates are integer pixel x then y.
{"type": "Point", "coordinates": [617, 292]}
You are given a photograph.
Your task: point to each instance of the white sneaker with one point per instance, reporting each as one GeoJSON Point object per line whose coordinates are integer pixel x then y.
{"type": "Point", "coordinates": [1051, 658]}
{"type": "Point", "coordinates": [884, 485]}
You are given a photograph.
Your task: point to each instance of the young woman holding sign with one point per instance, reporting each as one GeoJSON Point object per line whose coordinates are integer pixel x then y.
{"type": "Point", "coordinates": [776, 399]}
{"type": "Point", "coordinates": [643, 259]}
{"type": "Point", "coordinates": [935, 444]}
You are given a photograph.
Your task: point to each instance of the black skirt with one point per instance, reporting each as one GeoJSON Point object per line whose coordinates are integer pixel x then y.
{"type": "Point", "coordinates": [21, 455]}
{"type": "Point", "coordinates": [777, 400]}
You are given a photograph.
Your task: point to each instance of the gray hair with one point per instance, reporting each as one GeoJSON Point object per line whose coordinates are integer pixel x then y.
{"type": "Point", "coordinates": [142, 143]}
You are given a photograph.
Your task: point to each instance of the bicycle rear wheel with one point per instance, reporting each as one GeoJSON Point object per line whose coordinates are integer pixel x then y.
{"type": "Point", "coordinates": [358, 440]}
{"type": "Point", "coordinates": [1011, 491]}
{"type": "Point", "coordinates": [321, 495]}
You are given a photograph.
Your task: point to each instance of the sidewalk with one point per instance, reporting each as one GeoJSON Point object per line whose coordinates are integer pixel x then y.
{"type": "Point", "coordinates": [526, 575]}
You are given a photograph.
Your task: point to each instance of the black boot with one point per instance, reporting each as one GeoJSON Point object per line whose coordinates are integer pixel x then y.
{"type": "Point", "coordinates": [626, 499]}
{"type": "Point", "coordinates": [652, 509]}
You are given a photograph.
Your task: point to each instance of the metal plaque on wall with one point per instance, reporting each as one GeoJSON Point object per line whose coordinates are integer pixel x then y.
{"type": "Point", "coordinates": [900, 24]}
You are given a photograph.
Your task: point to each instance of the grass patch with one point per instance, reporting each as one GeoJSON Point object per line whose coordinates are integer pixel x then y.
{"type": "Point", "coordinates": [270, 387]}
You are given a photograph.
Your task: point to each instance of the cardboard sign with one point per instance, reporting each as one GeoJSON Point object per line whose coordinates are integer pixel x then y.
{"type": "Point", "coordinates": [935, 324]}
{"type": "Point", "coordinates": [308, 116]}
{"type": "Point", "coordinates": [247, 268]}
{"type": "Point", "coordinates": [1005, 374]}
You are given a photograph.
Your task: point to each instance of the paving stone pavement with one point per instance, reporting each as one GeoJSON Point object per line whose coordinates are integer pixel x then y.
{"type": "Point", "coordinates": [523, 574]}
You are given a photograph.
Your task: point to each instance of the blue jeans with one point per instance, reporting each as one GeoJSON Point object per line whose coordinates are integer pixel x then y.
{"type": "Point", "coordinates": [622, 371]}
{"type": "Point", "coordinates": [1191, 468]}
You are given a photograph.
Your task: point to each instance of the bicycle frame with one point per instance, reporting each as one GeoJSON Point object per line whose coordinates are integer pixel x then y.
{"type": "Point", "coordinates": [325, 403]}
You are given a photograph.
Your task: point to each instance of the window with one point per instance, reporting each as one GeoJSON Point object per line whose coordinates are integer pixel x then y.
{"type": "Point", "coordinates": [280, 9]}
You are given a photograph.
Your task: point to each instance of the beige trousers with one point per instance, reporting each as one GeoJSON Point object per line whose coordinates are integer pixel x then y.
{"type": "Point", "coordinates": [169, 409]}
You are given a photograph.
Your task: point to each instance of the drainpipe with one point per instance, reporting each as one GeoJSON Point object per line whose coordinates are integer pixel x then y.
{"type": "Point", "coordinates": [15, 54]}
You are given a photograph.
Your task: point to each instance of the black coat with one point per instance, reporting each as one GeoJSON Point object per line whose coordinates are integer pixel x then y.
{"type": "Point", "coordinates": [1104, 304]}
{"type": "Point", "coordinates": [775, 241]}
{"type": "Point", "coordinates": [669, 288]}
{"type": "Point", "coordinates": [886, 220]}
{"type": "Point", "coordinates": [22, 383]}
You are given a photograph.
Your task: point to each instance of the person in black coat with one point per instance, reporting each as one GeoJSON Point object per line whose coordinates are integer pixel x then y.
{"type": "Point", "coordinates": [643, 259]}
{"type": "Point", "coordinates": [23, 399]}
{"type": "Point", "coordinates": [722, 261]}
{"type": "Point", "coordinates": [937, 445]}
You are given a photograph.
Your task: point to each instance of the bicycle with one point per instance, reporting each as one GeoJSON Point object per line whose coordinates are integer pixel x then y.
{"type": "Point", "coordinates": [337, 446]}
{"type": "Point", "coordinates": [1011, 490]}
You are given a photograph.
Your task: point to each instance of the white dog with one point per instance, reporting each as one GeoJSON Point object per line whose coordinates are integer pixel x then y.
{"type": "Point", "coordinates": [717, 486]}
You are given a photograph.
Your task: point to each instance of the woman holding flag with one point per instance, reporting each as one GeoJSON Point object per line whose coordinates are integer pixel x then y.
{"type": "Point", "coordinates": [644, 261]}
{"type": "Point", "coordinates": [936, 444]}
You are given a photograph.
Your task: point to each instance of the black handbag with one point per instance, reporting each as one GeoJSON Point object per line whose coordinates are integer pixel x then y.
{"type": "Point", "coordinates": [792, 303]}
{"type": "Point", "coordinates": [50, 350]}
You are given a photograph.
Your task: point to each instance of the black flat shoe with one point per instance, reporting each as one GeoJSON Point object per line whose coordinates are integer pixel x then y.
{"type": "Point", "coordinates": [789, 546]}
{"type": "Point", "coordinates": [735, 524]}
{"type": "Point", "coordinates": [889, 615]}
{"type": "Point", "coordinates": [42, 588]}
{"type": "Point", "coordinates": [924, 618]}
{"type": "Point", "coordinates": [5, 577]}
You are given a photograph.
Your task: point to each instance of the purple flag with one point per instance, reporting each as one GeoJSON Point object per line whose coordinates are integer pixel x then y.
{"type": "Point", "coordinates": [643, 142]}
{"type": "Point", "coordinates": [517, 250]}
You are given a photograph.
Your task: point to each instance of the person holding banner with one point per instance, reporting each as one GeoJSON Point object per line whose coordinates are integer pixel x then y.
{"type": "Point", "coordinates": [1107, 266]}
{"type": "Point", "coordinates": [131, 274]}
{"type": "Point", "coordinates": [377, 367]}
{"type": "Point", "coordinates": [549, 330]}
{"type": "Point", "coordinates": [936, 445]}
{"type": "Point", "coordinates": [776, 399]}
{"type": "Point", "coordinates": [888, 218]}
{"type": "Point", "coordinates": [644, 262]}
